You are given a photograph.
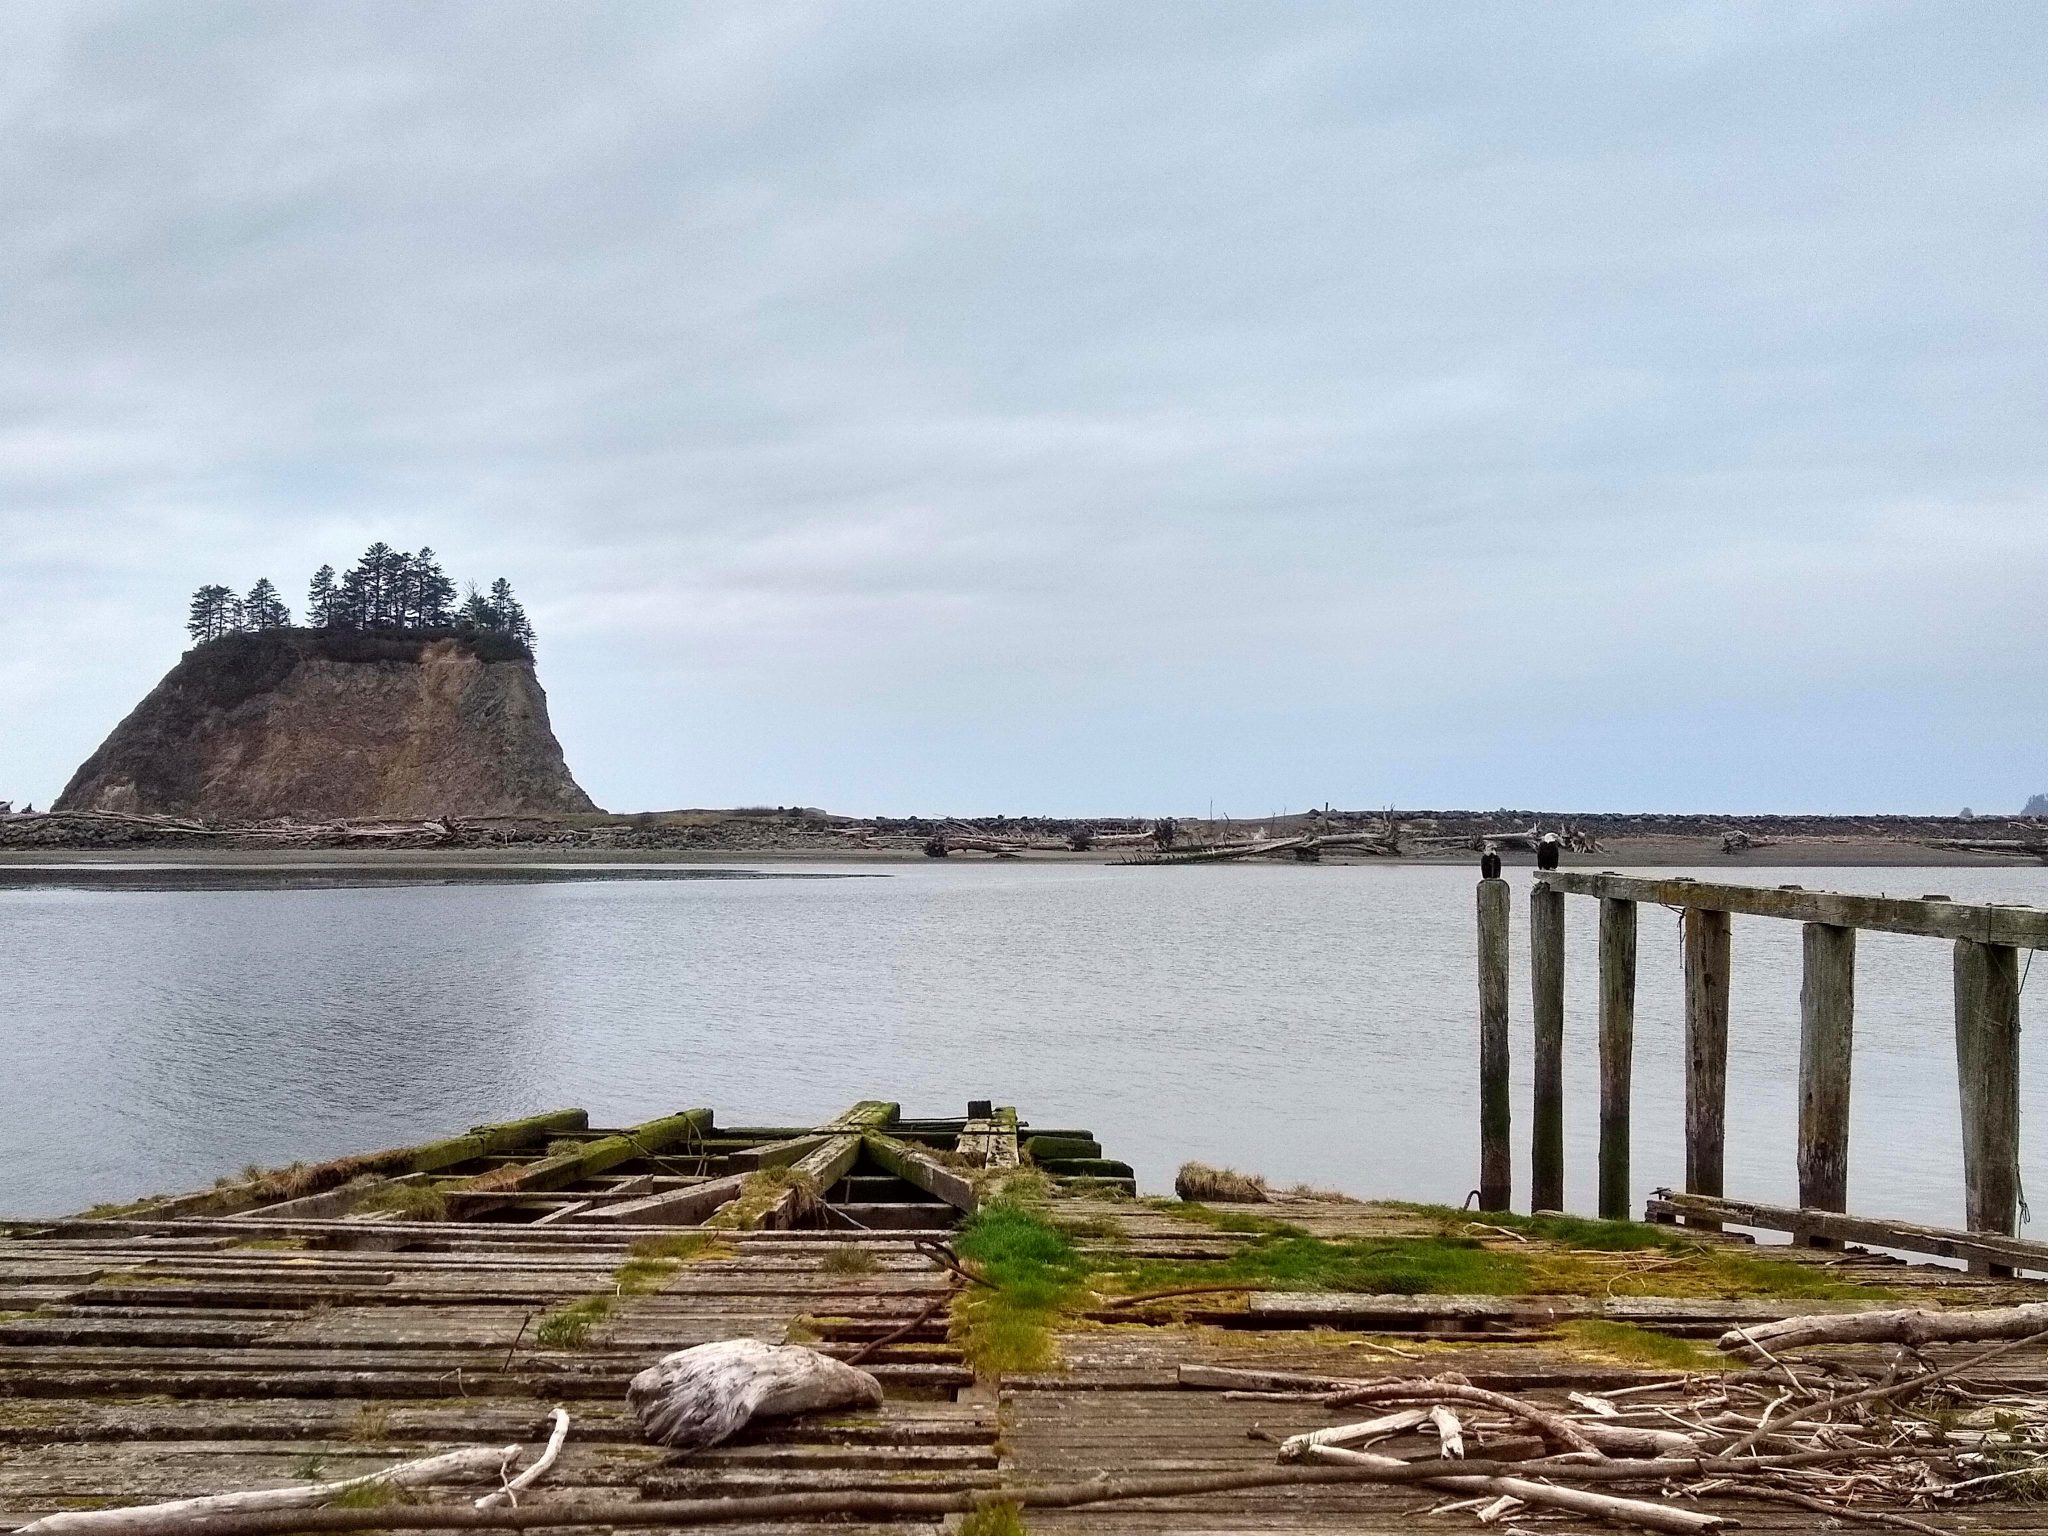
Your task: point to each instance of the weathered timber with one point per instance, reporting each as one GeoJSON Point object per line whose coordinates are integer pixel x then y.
{"type": "Point", "coordinates": [927, 1173]}
{"type": "Point", "coordinates": [1546, 985]}
{"type": "Point", "coordinates": [1827, 1021]}
{"type": "Point", "coordinates": [1987, 985]}
{"type": "Point", "coordinates": [426, 1157]}
{"type": "Point", "coordinates": [1707, 945]}
{"type": "Point", "coordinates": [1496, 1165]}
{"type": "Point", "coordinates": [1916, 1326]}
{"type": "Point", "coordinates": [818, 1170]}
{"type": "Point", "coordinates": [1402, 1313]}
{"type": "Point", "coordinates": [688, 1207]}
{"type": "Point", "coordinates": [594, 1157]}
{"type": "Point", "coordinates": [2021, 927]}
{"type": "Point", "coordinates": [1617, 1050]}
{"type": "Point", "coordinates": [1836, 1227]}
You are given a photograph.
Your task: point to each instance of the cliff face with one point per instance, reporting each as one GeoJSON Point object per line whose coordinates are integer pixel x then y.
{"type": "Point", "coordinates": [310, 724]}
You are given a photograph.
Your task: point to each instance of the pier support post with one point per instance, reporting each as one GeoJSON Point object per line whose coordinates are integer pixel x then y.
{"type": "Point", "coordinates": [1707, 946]}
{"type": "Point", "coordinates": [1617, 1050]}
{"type": "Point", "coordinates": [1546, 984]}
{"type": "Point", "coordinates": [1988, 1071]}
{"type": "Point", "coordinates": [1827, 1015]}
{"type": "Point", "coordinates": [1496, 1166]}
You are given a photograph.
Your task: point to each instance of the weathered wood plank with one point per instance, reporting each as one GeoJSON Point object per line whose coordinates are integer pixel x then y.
{"type": "Point", "coordinates": [1496, 1162]}
{"type": "Point", "coordinates": [1617, 1050]}
{"type": "Point", "coordinates": [1546, 985]}
{"type": "Point", "coordinates": [1827, 1027]}
{"type": "Point", "coordinates": [594, 1157]}
{"type": "Point", "coordinates": [1707, 936]}
{"type": "Point", "coordinates": [2019, 926]}
{"type": "Point", "coordinates": [1910, 1237]}
{"type": "Point", "coordinates": [1987, 987]}
{"type": "Point", "coordinates": [927, 1173]}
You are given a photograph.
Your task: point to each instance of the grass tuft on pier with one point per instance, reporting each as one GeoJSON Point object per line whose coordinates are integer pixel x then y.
{"type": "Point", "coordinates": [1033, 1274]}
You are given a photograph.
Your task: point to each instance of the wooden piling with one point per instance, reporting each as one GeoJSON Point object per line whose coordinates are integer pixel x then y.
{"type": "Point", "coordinates": [1546, 985]}
{"type": "Point", "coordinates": [1827, 1014]}
{"type": "Point", "coordinates": [1707, 947]}
{"type": "Point", "coordinates": [1988, 1071]}
{"type": "Point", "coordinates": [1496, 1162]}
{"type": "Point", "coordinates": [1617, 1050]}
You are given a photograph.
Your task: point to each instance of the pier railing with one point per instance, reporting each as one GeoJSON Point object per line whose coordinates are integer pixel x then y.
{"type": "Point", "coordinates": [1987, 940]}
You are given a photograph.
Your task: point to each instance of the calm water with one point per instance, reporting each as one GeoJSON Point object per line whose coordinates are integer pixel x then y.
{"type": "Point", "coordinates": [1313, 1023]}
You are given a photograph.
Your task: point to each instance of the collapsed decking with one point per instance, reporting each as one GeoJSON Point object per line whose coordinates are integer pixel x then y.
{"type": "Point", "coordinates": [328, 1321]}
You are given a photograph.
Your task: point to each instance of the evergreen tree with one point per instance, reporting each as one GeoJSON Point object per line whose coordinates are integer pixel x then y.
{"type": "Point", "coordinates": [263, 608]}
{"type": "Point", "coordinates": [212, 614]}
{"type": "Point", "coordinates": [475, 615]}
{"type": "Point", "coordinates": [322, 600]}
{"type": "Point", "coordinates": [368, 590]}
{"type": "Point", "coordinates": [432, 591]}
{"type": "Point", "coordinates": [507, 615]}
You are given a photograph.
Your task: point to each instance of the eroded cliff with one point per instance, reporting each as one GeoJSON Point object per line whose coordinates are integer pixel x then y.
{"type": "Point", "coordinates": [312, 724]}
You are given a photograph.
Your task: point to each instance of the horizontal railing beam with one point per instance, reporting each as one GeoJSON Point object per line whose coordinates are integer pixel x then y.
{"type": "Point", "coordinates": [2020, 927]}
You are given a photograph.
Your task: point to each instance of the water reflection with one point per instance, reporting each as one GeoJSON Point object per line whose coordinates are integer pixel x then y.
{"type": "Point", "coordinates": [1314, 1023]}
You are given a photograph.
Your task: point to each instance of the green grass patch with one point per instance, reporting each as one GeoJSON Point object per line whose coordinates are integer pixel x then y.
{"type": "Point", "coordinates": [638, 1277]}
{"type": "Point", "coordinates": [682, 1246]}
{"type": "Point", "coordinates": [1643, 1346]}
{"type": "Point", "coordinates": [1735, 1275]}
{"type": "Point", "coordinates": [410, 1202]}
{"type": "Point", "coordinates": [1385, 1266]}
{"type": "Point", "coordinates": [269, 1244]}
{"type": "Point", "coordinates": [568, 1327]}
{"type": "Point", "coordinates": [1033, 1274]}
{"type": "Point", "coordinates": [849, 1259]}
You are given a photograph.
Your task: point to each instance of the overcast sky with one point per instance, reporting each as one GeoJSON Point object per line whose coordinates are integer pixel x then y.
{"type": "Point", "coordinates": [1067, 408]}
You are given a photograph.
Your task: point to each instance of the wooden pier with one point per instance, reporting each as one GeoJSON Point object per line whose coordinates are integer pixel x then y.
{"type": "Point", "coordinates": [1986, 942]}
{"type": "Point", "coordinates": [321, 1322]}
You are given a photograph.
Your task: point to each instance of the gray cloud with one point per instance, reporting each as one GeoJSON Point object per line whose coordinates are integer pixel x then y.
{"type": "Point", "coordinates": [1065, 407]}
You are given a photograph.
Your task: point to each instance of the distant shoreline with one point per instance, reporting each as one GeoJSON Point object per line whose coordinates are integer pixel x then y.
{"type": "Point", "coordinates": [183, 868]}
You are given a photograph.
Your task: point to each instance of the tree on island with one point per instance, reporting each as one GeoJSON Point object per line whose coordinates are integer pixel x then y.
{"type": "Point", "coordinates": [215, 611]}
{"type": "Point", "coordinates": [264, 609]}
{"type": "Point", "coordinates": [323, 601]}
{"type": "Point", "coordinates": [2037, 805]}
{"type": "Point", "coordinates": [387, 589]}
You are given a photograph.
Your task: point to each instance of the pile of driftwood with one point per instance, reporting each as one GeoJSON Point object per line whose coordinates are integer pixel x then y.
{"type": "Point", "coordinates": [2011, 847]}
{"type": "Point", "coordinates": [1852, 1441]}
{"type": "Point", "coordinates": [282, 833]}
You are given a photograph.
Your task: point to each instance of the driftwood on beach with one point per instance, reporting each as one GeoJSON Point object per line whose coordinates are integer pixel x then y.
{"type": "Point", "coordinates": [309, 834]}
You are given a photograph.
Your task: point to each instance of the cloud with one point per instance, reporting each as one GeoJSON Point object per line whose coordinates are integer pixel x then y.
{"type": "Point", "coordinates": [934, 406]}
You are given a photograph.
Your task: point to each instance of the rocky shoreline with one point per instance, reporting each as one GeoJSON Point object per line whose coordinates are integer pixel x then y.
{"type": "Point", "coordinates": [1590, 838]}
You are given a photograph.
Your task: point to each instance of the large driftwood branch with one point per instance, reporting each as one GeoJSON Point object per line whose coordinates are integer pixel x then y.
{"type": "Point", "coordinates": [876, 1505]}
{"type": "Point", "coordinates": [1579, 1501]}
{"type": "Point", "coordinates": [465, 1466]}
{"type": "Point", "coordinates": [1907, 1325]}
{"type": "Point", "coordinates": [1598, 1438]}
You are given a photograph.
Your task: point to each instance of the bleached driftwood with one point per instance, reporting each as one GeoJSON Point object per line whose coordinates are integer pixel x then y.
{"type": "Point", "coordinates": [509, 1494]}
{"type": "Point", "coordinates": [1351, 1436]}
{"type": "Point", "coordinates": [465, 1466]}
{"type": "Point", "coordinates": [1907, 1325]}
{"type": "Point", "coordinates": [1450, 1433]}
{"type": "Point", "coordinates": [1602, 1506]}
{"type": "Point", "coordinates": [701, 1396]}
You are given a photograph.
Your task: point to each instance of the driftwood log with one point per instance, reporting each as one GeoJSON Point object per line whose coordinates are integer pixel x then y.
{"type": "Point", "coordinates": [1580, 1501]}
{"type": "Point", "coordinates": [1907, 1325]}
{"type": "Point", "coordinates": [699, 1397]}
{"type": "Point", "coordinates": [465, 1466]}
